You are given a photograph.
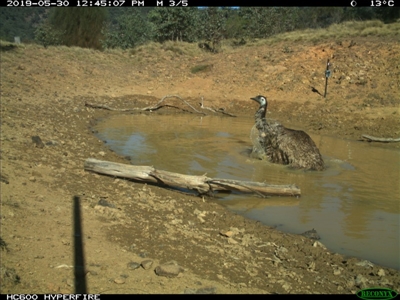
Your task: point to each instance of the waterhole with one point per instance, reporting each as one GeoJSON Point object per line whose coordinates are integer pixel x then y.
{"type": "Point", "coordinates": [353, 204]}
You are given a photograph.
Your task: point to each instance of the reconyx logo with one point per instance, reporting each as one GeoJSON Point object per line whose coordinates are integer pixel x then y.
{"type": "Point", "coordinates": [376, 293]}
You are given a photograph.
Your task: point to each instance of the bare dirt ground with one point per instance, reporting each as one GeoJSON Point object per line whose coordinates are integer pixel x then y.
{"type": "Point", "coordinates": [201, 245]}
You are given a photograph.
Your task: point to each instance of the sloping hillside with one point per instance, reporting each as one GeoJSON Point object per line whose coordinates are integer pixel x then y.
{"type": "Point", "coordinates": [43, 92]}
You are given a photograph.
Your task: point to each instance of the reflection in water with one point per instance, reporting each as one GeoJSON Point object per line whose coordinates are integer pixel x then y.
{"type": "Point", "coordinates": [354, 204]}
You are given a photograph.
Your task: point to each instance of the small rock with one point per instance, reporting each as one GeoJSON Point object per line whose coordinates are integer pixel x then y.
{"type": "Point", "coordinates": [350, 283]}
{"type": "Point", "coordinates": [336, 272]}
{"type": "Point", "coordinates": [143, 254]}
{"type": "Point", "coordinates": [232, 241]}
{"type": "Point", "coordinates": [385, 281]}
{"type": "Point", "coordinates": [32, 178]}
{"type": "Point", "coordinates": [381, 272]}
{"type": "Point", "coordinates": [282, 249]}
{"type": "Point", "coordinates": [3, 244]}
{"type": "Point", "coordinates": [119, 281]}
{"type": "Point", "coordinates": [37, 141]}
{"type": "Point", "coordinates": [189, 291]}
{"type": "Point", "coordinates": [365, 264]}
{"type": "Point", "coordinates": [70, 282]}
{"type": "Point", "coordinates": [168, 270]}
{"type": "Point", "coordinates": [146, 264]}
{"type": "Point", "coordinates": [311, 234]}
{"type": "Point", "coordinates": [102, 153]}
{"type": "Point", "coordinates": [104, 202]}
{"type": "Point", "coordinates": [311, 266]}
{"type": "Point", "coordinates": [199, 213]}
{"type": "Point", "coordinates": [360, 280]}
{"type": "Point", "coordinates": [319, 244]}
{"type": "Point", "coordinates": [207, 290]}
{"type": "Point", "coordinates": [286, 286]}
{"type": "Point", "coordinates": [3, 178]}
{"type": "Point", "coordinates": [226, 234]}
{"type": "Point", "coordinates": [276, 259]}
{"type": "Point", "coordinates": [51, 143]}
{"type": "Point", "coordinates": [176, 221]}
{"type": "Point", "coordinates": [133, 265]}
{"type": "Point", "coordinates": [94, 273]}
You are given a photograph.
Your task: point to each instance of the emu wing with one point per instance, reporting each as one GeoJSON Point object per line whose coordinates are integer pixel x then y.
{"type": "Point", "coordinates": [299, 149]}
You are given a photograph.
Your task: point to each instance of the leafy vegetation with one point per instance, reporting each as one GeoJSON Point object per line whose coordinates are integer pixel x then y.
{"type": "Point", "coordinates": [46, 35]}
{"type": "Point", "coordinates": [178, 24]}
{"type": "Point", "coordinates": [105, 28]}
{"type": "Point", "coordinates": [20, 21]}
{"type": "Point", "coordinates": [8, 46]}
{"type": "Point", "coordinates": [79, 26]}
{"type": "Point", "coordinates": [129, 30]}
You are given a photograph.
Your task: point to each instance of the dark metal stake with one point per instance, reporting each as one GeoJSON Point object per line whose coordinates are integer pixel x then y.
{"type": "Point", "coordinates": [79, 261]}
{"type": "Point", "coordinates": [327, 75]}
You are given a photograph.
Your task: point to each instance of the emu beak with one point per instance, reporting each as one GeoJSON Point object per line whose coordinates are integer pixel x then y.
{"type": "Point", "coordinates": [255, 99]}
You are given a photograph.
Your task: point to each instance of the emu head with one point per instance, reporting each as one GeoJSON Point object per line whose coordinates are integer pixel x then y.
{"type": "Point", "coordinates": [261, 100]}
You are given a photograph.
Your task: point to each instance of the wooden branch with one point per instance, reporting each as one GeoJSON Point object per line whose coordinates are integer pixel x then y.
{"type": "Point", "coordinates": [158, 106]}
{"type": "Point", "coordinates": [172, 96]}
{"type": "Point", "coordinates": [370, 138]}
{"type": "Point", "coordinates": [200, 184]}
{"type": "Point", "coordinates": [149, 108]}
{"type": "Point", "coordinates": [109, 108]}
{"type": "Point", "coordinates": [215, 111]}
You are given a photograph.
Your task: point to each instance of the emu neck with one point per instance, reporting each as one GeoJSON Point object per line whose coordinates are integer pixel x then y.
{"type": "Point", "coordinates": [262, 110]}
{"type": "Point", "coordinates": [261, 122]}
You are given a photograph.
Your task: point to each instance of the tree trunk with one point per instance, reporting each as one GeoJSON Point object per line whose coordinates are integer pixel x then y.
{"type": "Point", "coordinates": [200, 184]}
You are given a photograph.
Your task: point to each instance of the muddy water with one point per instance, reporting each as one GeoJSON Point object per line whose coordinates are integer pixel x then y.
{"type": "Point", "coordinates": [354, 204]}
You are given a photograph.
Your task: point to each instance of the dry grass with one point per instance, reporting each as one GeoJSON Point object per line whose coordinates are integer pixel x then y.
{"type": "Point", "coordinates": [170, 48]}
{"type": "Point", "coordinates": [200, 68]}
{"type": "Point", "coordinates": [8, 46]}
{"type": "Point", "coordinates": [335, 31]}
{"type": "Point", "coordinates": [183, 48]}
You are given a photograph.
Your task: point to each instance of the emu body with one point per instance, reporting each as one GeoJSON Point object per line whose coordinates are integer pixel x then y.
{"type": "Point", "coordinates": [285, 146]}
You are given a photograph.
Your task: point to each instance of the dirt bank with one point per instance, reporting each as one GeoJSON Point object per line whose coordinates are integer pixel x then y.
{"type": "Point", "coordinates": [43, 92]}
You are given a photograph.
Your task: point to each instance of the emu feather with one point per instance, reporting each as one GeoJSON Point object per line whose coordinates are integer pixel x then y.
{"type": "Point", "coordinates": [282, 145]}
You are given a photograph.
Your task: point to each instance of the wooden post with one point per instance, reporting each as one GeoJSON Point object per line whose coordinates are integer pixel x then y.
{"type": "Point", "coordinates": [327, 75]}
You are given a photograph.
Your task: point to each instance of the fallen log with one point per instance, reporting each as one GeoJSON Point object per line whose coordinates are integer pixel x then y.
{"type": "Point", "coordinates": [200, 184]}
{"type": "Point", "coordinates": [370, 138]}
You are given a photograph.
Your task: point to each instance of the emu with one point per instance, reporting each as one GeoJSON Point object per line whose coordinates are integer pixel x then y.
{"type": "Point", "coordinates": [285, 146]}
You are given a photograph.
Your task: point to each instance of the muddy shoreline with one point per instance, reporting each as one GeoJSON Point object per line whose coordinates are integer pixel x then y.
{"type": "Point", "coordinates": [131, 228]}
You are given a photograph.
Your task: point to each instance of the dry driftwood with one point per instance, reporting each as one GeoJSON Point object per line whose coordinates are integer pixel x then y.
{"type": "Point", "coordinates": [158, 106]}
{"type": "Point", "coordinates": [370, 138]}
{"type": "Point", "coordinates": [215, 111]}
{"type": "Point", "coordinates": [201, 184]}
